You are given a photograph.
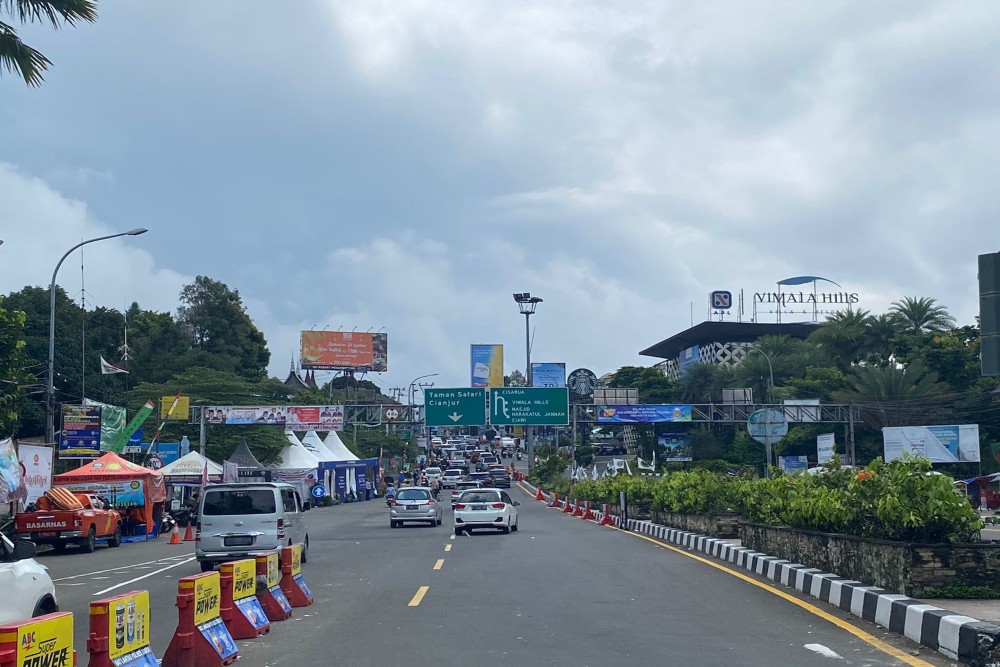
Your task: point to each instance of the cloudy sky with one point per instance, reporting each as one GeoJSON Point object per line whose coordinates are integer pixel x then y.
{"type": "Point", "coordinates": [411, 164]}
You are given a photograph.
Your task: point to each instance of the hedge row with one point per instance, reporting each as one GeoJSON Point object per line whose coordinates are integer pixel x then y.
{"type": "Point", "coordinates": [903, 500]}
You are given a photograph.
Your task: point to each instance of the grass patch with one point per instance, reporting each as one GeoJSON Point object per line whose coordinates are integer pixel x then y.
{"type": "Point", "coordinates": [963, 593]}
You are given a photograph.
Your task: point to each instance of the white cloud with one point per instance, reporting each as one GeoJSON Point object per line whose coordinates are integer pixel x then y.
{"type": "Point", "coordinates": [41, 224]}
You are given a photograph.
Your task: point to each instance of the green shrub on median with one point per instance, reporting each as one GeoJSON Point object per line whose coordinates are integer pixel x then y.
{"type": "Point", "coordinates": [902, 500]}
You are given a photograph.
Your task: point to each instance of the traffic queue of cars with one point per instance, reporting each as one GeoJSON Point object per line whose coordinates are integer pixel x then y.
{"type": "Point", "coordinates": [475, 480]}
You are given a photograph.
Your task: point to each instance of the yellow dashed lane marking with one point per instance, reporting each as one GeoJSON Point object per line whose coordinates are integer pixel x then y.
{"type": "Point", "coordinates": [418, 596]}
{"type": "Point", "coordinates": [439, 564]}
{"type": "Point", "coordinates": [447, 547]}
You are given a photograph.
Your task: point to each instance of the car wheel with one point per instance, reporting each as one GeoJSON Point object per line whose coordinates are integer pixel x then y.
{"type": "Point", "coordinates": [116, 539]}
{"type": "Point", "coordinates": [88, 545]}
{"type": "Point", "coordinates": [513, 528]}
{"type": "Point", "coordinates": [45, 606]}
{"type": "Point", "coordinates": [207, 566]}
{"type": "Point", "coordinates": [458, 532]}
{"type": "Point", "coordinates": [438, 521]}
{"type": "Point", "coordinates": [393, 524]}
{"type": "Point", "coordinates": [505, 530]}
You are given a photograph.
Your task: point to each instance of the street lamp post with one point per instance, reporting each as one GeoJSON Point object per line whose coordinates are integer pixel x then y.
{"type": "Point", "coordinates": [770, 399]}
{"type": "Point", "coordinates": [409, 402]}
{"type": "Point", "coordinates": [527, 304]}
{"type": "Point", "coordinates": [50, 387]}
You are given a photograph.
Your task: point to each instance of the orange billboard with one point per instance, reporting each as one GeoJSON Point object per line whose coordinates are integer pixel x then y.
{"type": "Point", "coordinates": [335, 350]}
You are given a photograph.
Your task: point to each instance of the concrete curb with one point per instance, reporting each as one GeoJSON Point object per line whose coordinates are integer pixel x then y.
{"type": "Point", "coordinates": [954, 635]}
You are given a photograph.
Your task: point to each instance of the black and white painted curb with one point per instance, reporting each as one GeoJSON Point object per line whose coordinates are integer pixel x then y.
{"type": "Point", "coordinates": [955, 635]}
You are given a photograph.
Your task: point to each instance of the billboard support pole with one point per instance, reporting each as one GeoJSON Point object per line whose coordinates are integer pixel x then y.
{"type": "Point", "coordinates": [202, 432]}
{"type": "Point", "coordinates": [850, 432]}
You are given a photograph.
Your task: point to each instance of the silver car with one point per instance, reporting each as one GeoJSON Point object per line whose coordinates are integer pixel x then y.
{"type": "Point", "coordinates": [415, 503]}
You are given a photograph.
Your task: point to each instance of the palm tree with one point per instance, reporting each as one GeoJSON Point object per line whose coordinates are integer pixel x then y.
{"type": "Point", "coordinates": [842, 337]}
{"type": "Point", "coordinates": [879, 342]}
{"type": "Point", "coordinates": [903, 392]}
{"type": "Point", "coordinates": [15, 55]}
{"type": "Point", "coordinates": [918, 315]}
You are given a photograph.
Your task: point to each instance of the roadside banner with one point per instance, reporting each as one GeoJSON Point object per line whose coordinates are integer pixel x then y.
{"type": "Point", "coordinates": [793, 465]}
{"type": "Point", "coordinates": [486, 365]}
{"type": "Point", "coordinates": [80, 436]}
{"type": "Point", "coordinates": [825, 443]}
{"type": "Point", "coordinates": [643, 414]}
{"type": "Point", "coordinates": [36, 464]}
{"type": "Point", "coordinates": [122, 439]}
{"type": "Point", "coordinates": [11, 477]}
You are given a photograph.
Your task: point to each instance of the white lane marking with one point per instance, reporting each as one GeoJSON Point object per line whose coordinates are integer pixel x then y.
{"type": "Point", "coordinates": [823, 651]}
{"type": "Point", "coordinates": [145, 576]}
{"type": "Point", "coordinates": [115, 569]}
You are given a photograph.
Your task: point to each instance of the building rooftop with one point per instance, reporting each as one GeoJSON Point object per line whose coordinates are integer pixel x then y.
{"type": "Point", "coordinates": [728, 332]}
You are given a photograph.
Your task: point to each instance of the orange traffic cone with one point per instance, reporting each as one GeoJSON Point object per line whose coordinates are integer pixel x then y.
{"type": "Point", "coordinates": [189, 533]}
{"type": "Point", "coordinates": [175, 536]}
{"type": "Point", "coordinates": [539, 495]}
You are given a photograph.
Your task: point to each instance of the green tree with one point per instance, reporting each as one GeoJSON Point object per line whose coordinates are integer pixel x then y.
{"type": "Point", "coordinates": [221, 332]}
{"type": "Point", "coordinates": [921, 314]}
{"type": "Point", "coordinates": [515, 379]}
{"type": "Point", "coordinates": [894, 396]}
{"type": "Point", "coordinates": [626, 377]}
{"type": "Point", "coordinates": [15, 55]}
{"type": "Point", "coordinates": [702, 382]}
{"type": "Point", "coordinates": [842, 337]}
{"type": "Point", "coordinates": [13, 377]}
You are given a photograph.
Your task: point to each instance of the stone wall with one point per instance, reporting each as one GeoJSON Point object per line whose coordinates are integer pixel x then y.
{"type": "Point", "coordinates": [724, 525]}
{"type": "Point", "coordinates": [899, 567]}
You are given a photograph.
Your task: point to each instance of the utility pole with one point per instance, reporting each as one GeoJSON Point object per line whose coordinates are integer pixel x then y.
{"type": "Point", "coordinates": [850, 433]}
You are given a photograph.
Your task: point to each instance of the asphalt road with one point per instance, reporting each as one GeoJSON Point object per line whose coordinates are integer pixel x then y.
{"type": "Point", "coordinates": [561, 591]}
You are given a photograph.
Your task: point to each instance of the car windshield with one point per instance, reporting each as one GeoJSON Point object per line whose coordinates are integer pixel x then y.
{"type": "Point", "coordinates": [233, 502]}
{"type": "Point", "coordinates": [413, 494]}
{"type": "Point", "coordinates": [468, 485]}
{"type": "Point", "coordinates": [480, 497]}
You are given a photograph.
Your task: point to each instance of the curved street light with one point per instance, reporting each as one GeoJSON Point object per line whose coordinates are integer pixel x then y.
{"type": "Point", "coordinates": [527, 304]}
{"type": "Point", "coordinates": [770, 371]}
{"type": "Point", "coordinates": [50, 389]}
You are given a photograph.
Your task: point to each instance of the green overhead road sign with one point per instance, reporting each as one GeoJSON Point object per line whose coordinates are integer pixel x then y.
{"type": "Point", "coordinates": [529, 406]}
{"type": "Point", "coordinates": [455, 407]}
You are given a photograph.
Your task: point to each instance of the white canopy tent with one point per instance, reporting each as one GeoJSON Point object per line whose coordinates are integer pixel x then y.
{"type": "Point", "coordinates": [338, 448]}
{"type": "Point", "coordinates": [192, 465]}
{"type": "Point", "coordinates": [297, 465]}
{"type": "Point", "coordinates": [312, 442]}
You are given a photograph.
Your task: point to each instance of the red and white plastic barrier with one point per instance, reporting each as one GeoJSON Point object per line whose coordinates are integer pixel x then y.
{"type": "Point", "coordinates": [119, 632]}
{"type": "Point", "coordinates": [271, 598]}
{"type": "Point", "coordinates": [201, 638]}
{"type": "Point", "coordinates": [293, 585]}
{"type": "Point", "coordinates": [240, 610]}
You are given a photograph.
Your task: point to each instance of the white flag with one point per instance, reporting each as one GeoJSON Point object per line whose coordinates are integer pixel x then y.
{"type": "Point", "coordinates": [110, 369]}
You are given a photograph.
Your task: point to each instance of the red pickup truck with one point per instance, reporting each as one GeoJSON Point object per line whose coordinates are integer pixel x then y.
{"type": "Point", "coordinates": [52, 524]}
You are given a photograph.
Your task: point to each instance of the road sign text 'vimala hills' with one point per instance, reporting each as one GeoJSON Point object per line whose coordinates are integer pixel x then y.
{"type": "Point", "coordinates": [455, 407]}
{"type": "Point", "coordinates": [529, 406]}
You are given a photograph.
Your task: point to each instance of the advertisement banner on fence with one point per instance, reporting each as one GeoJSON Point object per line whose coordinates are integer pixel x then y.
{"type": "Point", "coordinates": [486, 365]}
{"type": "Point", "coordinates": [36, 463]}
{"type": "Point", "coordinates": [793, 465]}
{"type": "Point", "coordinates": [677, 446]}
{"type": "Point", "coordinates": [941, 444]}
{"type": "Point", "coordinates": [112, 423]}
{"type": "Point", "coordinates": [128, 624]}
{"type": "Point", "coordinates": [121, 495]}
{"type": "Point", "coordinates": [295, 417]}
{"type": "Point", "coordinates": [825, 443]}
{"type": "Point", "coordinates": [45, 642]}
{"type": "Point", "coordinates": [548, 375]}
{"type": "Point", "coordinates": [643, 414]}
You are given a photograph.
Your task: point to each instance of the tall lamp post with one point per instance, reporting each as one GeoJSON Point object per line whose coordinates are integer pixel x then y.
{"type": "Point", "coordinates": [409, 401]}
{"type": "Point", "coordinates": [50, 387]}
{"type": "Point", "coordinates": [527, 304]}
{"type": "Point", "coordinates": [770, 399]}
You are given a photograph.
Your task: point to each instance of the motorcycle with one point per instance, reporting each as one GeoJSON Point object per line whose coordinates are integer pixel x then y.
{"type": "Point", "coordinates": [390, 500]}
{"type": "Point", "coordinates": [167, 524]}
{"type": "Point", "coordinates": [519, 456]}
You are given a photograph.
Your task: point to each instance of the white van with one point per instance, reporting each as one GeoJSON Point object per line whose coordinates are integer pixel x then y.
{"type": "Point", "coordinates": [235, 520]}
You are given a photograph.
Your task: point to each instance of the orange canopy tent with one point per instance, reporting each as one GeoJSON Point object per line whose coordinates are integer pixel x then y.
{"type": "Point", "coordinates": [112, 470]}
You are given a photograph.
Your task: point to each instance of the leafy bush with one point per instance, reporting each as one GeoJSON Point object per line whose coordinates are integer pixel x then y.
{"type": "Point", "coordinates": [695, 492]}
{"type": "Point", "coordinates": [902, 500]}
{"type": "Point", "coordinates": [963, 593]}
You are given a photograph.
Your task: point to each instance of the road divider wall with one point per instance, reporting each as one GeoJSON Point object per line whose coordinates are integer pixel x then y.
{"type": "Point", "coordinates": [293, 584]}
{"type": "Point", "coordinates": [239, 608]}
{"type": "Point", "coordinates": [201, 638]}
{"type": "Point", "coordinates": [46, 640]}
{"type": "Point", "coordinates": [119, 632]}
{"type": "Point", "coordinates": [269, 593]}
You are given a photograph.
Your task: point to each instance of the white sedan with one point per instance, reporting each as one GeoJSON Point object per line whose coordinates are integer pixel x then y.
{"type": "Point", "coordinates": [485, 508]}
